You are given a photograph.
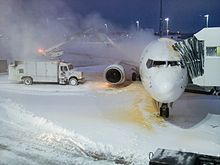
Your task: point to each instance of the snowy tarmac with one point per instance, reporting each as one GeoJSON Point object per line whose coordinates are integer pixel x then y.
{"type": "Point", "coordinates": [94, 123]}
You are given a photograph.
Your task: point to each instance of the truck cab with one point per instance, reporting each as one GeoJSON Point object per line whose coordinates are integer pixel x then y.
{"type": "Point", "coordinates": [46, 71]}
{"type": "Point", "coordinates": [68, 75]}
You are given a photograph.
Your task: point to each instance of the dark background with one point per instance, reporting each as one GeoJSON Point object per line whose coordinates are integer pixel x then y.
{"type": "Point", "coordinates": [185, 15]}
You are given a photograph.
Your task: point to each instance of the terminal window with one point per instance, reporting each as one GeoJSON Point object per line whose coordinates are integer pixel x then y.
{"type": "Point", "coordinates": [213, 51]}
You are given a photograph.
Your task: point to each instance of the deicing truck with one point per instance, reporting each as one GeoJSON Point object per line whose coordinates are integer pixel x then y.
{"type": "Point", "coordinates": [49, 71]}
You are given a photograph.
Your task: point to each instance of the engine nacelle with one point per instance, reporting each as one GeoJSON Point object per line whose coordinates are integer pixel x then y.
{"type": "Point", "coordinates": [118, 73]}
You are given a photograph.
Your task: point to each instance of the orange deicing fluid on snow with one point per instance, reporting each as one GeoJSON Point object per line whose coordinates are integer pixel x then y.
{"type": "Point", "coordinates": [141, 111]}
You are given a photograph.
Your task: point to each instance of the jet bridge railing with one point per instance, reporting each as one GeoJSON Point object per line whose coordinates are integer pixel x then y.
{"type": "Point", "coordinates": [192, 52]}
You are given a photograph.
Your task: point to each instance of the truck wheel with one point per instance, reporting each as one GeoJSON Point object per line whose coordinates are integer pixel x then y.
{"type": "Point", "coordinates": [73, 81]}
{"type": "Point", "coordinates": [28, 80]}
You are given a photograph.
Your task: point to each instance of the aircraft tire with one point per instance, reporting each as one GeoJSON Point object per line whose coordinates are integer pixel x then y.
{"type": "Point", "coordinates": [164, 112]}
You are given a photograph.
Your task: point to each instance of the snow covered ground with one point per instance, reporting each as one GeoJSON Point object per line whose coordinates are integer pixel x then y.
{"type": "Point", "coordinates": [94, 123]}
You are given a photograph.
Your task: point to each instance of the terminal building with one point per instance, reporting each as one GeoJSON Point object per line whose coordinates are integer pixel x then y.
{"type": "Point", "coordinates": [3, 66]}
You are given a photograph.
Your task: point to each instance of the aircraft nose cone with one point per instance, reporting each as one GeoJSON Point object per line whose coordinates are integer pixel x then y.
{"type": "Point", "coordinates": [166, 89]}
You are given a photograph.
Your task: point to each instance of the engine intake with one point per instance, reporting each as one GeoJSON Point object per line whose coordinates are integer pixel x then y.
{"type": "Point", "coordinates": [120, 72]}
{"type": "Point", "coordinates": [113, 75]}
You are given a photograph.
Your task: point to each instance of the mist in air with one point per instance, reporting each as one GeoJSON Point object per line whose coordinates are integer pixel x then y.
{"type": "Point", "coordinates": [26, 26]}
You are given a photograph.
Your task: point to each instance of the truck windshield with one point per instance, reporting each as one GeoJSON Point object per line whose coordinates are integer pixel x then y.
{"type": "Point", "coordinates": [63, 68]}
{"type": "Point", "coordinates": [70, 67]}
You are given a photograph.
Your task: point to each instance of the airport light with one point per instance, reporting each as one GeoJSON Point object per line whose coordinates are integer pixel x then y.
{"type": "Point", "coordinates": [207, 20]}
{"type": "Point", "coordinates": [161, 19]}
{"type": "Point", "coordinates": [138, 25]}
{"type": "Point", "coordinates": [40, 51]}
{"type": "Point", "coordinates": [106, 27]}
{"type": "Point", "coordinates": [167, 25]}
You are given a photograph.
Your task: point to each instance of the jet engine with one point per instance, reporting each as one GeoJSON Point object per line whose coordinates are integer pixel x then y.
{"type": "Point", "coordinates": [120, 72]}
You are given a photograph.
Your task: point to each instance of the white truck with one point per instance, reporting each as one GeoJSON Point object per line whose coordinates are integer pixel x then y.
{"type": "Point", "coordinates": [49, 71]}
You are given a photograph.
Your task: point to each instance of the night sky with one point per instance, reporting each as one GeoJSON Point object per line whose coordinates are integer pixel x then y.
{"type": "Point", "coordinates": [26, 25]}
{"type": "Point", "coordinates": [184, 15]}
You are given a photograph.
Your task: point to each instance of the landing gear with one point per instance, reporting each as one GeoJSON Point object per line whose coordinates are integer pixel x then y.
{"type": "Point", "coordinates": [164, 110]}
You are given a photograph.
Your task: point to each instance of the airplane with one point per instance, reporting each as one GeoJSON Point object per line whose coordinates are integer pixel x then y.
{"type": "Point", "coordinates": [163, 73]}
{"type": "Point", "coordinates": [165, 68]}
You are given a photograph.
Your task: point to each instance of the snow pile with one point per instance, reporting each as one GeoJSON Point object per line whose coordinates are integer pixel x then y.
{"type": "Point", "coordinates": [29, 139]}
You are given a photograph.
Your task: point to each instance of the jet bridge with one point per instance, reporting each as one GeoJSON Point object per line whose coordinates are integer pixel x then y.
{"type": "Point", "coordinates": [201, 54]}
{"type": "Point", "coordinates": [192, 52]}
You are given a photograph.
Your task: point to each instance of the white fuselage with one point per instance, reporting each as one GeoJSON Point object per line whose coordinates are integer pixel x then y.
{"type": "Point", "coordinates": [162, 71]}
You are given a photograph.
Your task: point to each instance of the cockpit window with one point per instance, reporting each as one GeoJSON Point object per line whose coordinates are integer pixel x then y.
{"type": "Point", "coordinates": [63, 68]}
{"type": "Point", "coordinates": [151, 63]}
{"type": "Point", "coordinates": [158, 63]}
{"type": "Point", "coordinates": [173, 63]}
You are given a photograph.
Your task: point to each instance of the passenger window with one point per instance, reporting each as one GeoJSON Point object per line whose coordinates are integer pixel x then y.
{"type": "Point", "coordinates": [213, 51]}
{"type": "Point", "coordinates": [21, 71]}
{"type": "Point", "coordinates": [63, 68]}
{"type": "Point", "coordinates": [70, 67]}
{"type": "Point", "coordinates": [218, 51]}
